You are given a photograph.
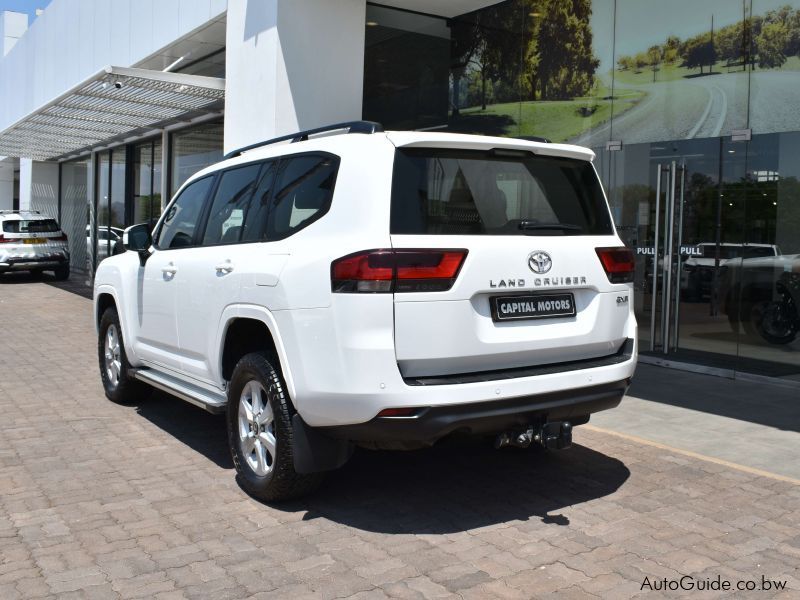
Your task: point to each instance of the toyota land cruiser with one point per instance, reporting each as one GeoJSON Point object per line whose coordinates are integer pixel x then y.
{"type": "Point", "coordinates": [383, 289]}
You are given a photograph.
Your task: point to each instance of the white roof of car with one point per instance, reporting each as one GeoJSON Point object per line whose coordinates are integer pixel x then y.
{"type": "Point", "coordinates": [426, 139]}
{"type": "Point", "coordinates": [18, 215]}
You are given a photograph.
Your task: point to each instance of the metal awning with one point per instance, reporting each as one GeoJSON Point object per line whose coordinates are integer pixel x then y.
{"type": "Point", "coordinates": [115, 104]}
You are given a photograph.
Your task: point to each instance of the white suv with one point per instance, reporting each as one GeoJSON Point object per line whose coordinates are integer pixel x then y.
{"type": "Point", "coordinates": [30, 241]}
{"type": "Point", "coordinates": [384, 289]}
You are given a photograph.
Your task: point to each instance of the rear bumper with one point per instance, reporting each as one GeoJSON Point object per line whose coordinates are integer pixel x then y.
{"type": "Point", "coordinates": [494, 416]}
{"type": "Point", "coordinates": [50, 258]}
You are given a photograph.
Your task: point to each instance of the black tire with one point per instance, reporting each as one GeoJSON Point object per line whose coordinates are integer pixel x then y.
{"type": "Point", "coordinates": [62, 273]}
{"type": "Point", "coordinates": [776, 324]}
{"type": "Point", "coordinates": [124, 390]}
{"type": "Point", "coordinates": [279, 481]}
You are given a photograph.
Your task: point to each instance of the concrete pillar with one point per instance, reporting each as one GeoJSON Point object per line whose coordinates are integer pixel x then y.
{"type": "Point", "coordinates": [6, 184]}
{"type": "Point", "coordinates": [38, 186]}
{"type": "Point", "coordinates": [292, 65]}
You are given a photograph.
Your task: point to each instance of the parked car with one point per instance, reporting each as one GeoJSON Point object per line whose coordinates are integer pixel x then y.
{"type": "Point", "coordinates": [697, 272]}
{"type": "Point", "coordinates": [106, 237]}
{"type": "Point", "coordinates": [380, 289]}
{"type": "Point", "coordinates": [30, 241]}
{"type": "Point", "coordinates": [763, 295]}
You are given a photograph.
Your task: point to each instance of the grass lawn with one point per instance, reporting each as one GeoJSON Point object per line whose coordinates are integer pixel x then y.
{"type": "Point", "coordinates": [557, 120]}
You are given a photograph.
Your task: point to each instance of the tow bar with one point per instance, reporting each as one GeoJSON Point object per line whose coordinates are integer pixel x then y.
{"type": "Point", "coordinates": [556, 435]}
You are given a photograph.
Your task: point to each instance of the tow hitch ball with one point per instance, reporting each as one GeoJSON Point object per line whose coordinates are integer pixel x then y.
{"type": "Point", "coordinates": [553, 436]}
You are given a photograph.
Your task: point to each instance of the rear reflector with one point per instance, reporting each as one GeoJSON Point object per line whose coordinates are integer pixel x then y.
{"type": "Point", "coordinates": [5, 240]}
{"type": "Point", "coordinates": [618, 263]}
{"type": "Point", "coordinates": [397, 412]}
{"type": "Point", "coordinates": [397, 271]}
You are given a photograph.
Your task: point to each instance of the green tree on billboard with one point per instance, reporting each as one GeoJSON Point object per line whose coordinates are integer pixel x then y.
{"type": "Point", "coordinates": [569, 72]}
{"type": "Point", "coordinates": [771, 43]}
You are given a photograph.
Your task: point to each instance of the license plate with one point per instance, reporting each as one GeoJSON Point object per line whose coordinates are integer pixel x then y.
{"type": "Point", "coordinates": [35, 241]}
{"type": "Point", "coordinates": [532, 306]}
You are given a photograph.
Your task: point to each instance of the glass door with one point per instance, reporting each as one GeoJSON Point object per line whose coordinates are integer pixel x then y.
{"type": "Point", "coordinates": [676, 205]}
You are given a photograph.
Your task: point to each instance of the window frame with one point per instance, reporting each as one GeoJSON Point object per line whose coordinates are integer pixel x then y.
{"type": "Point", "coordinates": [264, 163]}
{"type": "Point", "coordinates": [284, 160]}
{"type": "Point", "coordinates": [205, 215]}
{"type": "Point", "coordinates": [160, 226]}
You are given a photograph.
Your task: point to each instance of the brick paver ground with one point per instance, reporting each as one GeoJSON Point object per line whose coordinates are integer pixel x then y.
{"type": "Point", "coordinates": [105, 501]}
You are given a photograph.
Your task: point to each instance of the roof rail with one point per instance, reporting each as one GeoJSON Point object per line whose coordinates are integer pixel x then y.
{"type": "Point", "coordinates": [534, 138]}
{"type": "Point", "coordinates": [367, 127]}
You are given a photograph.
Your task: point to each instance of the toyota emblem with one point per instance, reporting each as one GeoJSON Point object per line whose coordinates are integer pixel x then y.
{"type": "Point", "coordinates": [540, 262]}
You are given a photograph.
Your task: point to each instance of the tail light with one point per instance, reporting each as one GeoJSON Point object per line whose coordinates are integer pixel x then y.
{"type": "Point", "coordinates": [5, 240]}
{"type": "Point", "coordinates": [397, 271]}
{"type": "Point", "coordinates": [618, 263]}
{"type": "Point", "coordinates": [60, 238]}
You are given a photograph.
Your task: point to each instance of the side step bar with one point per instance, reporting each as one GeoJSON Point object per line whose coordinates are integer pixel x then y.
{"type": "Point", "coordinates": [206, 399]}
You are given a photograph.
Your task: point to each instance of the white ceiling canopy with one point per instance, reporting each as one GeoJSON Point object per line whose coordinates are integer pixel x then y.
{"type": "Point", "coordinates": [115, 104]}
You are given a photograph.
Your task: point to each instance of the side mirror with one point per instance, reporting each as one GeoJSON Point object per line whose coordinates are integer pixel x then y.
{"type": "Point", "coordinates": [138, 239]}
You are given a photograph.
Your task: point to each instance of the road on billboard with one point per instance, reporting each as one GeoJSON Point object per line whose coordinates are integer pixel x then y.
{"type": "Point", "coordinates": [702, 107]}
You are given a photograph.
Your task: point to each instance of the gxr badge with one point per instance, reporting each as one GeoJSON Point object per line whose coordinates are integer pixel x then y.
{"type": "Point", "coordinates": [539, 262]}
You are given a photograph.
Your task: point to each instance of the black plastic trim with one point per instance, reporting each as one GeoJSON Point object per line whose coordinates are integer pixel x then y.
{"type": "Point", "coordinates": [494, 416]}
{"type": "Point", "coordinates": [624, 354]}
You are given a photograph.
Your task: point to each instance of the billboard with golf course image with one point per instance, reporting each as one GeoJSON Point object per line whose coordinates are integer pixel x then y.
{"type": "Point", "coordinates": [633, 70]}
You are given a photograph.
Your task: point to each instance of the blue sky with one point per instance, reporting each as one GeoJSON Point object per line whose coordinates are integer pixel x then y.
{"type": "Point", "coordinates": [26, 6]}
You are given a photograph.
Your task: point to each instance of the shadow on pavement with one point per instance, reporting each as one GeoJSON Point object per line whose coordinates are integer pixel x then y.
{"type": "Point", "coordinates": [76, 284]}
{"type": "Point", "coordinates": [457, 485]}
{"type": "Point", "coordinates": [765, 404]}
{"type": "Point", "coordinates": [460, 486]}
{"type": "Point", "coordinates": [201, 431]}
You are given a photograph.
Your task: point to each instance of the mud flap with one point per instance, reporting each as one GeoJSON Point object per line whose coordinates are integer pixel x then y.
{"type": "Point", "coordinates": [314, 451]}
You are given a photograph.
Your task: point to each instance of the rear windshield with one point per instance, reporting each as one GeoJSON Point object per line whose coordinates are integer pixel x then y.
{"type": "Point", "coordinates": [33, 226]}
{"type": "Point", "coordinates": [495, 193]}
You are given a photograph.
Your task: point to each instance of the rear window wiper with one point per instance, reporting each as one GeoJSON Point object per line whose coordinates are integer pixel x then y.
{"type": "Point", "coordinates": [534, 226]}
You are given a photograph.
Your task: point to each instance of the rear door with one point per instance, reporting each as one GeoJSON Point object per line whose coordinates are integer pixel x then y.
{"type": "Point", "coordinates": [532, 289]}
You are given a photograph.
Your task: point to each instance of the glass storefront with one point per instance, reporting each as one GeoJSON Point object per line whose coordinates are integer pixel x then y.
{"type": "Point", "coordinates": [74, 216]}
{"type": "Point", "coordinates": [192, 150]}
{"type": "Point", "coordinates": [147, 182]}
{"type": "Point", "coordinates": [692, 112]}
{"type": "Point", "coordinates": [122, 187]}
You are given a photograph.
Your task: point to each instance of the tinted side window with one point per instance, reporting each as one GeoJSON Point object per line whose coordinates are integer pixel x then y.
{"type": "Point", "coordinates": [303, 194]}
{"type": "Point", "coordinates": [179, 224]}
{"type": "Point", "coordinates": [228, 211]}
{"type": "Point", "coordinates": [255, 222]}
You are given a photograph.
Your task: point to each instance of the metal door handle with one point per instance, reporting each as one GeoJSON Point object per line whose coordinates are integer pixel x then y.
{"type": "Point", "coordinates": [225, 267]}
{"type": "Point", "coordinates": [170, 269]}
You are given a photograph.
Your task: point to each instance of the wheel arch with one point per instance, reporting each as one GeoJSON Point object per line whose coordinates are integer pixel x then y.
{"type": "Point", "coordinates": [253, 329]}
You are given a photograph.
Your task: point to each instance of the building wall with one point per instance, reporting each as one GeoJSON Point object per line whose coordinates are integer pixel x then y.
{"type": "Point", "coordinates": [38, 186]}
{"type": "Point", "coordinates": [72, 40]}
{"type": "Point", "coordinates": [291, 66]}
{"type": "Point", "coordinates": [12, 26]}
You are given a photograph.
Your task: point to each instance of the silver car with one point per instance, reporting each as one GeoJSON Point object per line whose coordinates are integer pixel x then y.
{"type": "Point", "coordinates": [30, 241]}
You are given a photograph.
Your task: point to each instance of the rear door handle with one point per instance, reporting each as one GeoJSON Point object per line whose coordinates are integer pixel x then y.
{"type": "Point", "coordinates": [170, 270]}
{"type": "Point", "coordinates": [225, 267]}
